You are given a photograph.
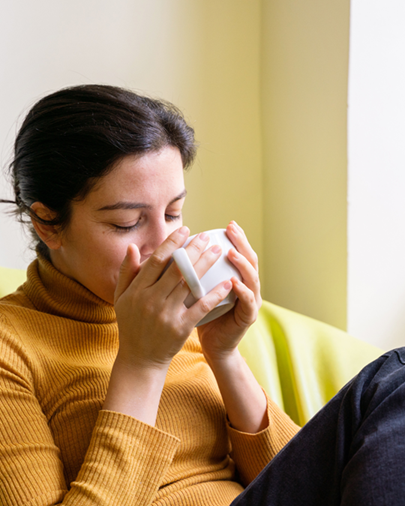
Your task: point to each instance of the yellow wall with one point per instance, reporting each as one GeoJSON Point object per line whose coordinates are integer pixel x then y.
{"type": "Point", "coordinates": [304, 102]}
{"type": "Point", "coordinates": [264, 82]}
{"type": "Point", "coordinates": [226, 181]}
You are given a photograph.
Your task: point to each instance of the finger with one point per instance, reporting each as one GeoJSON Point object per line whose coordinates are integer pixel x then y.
{"type": "Point", "coordinates": [172, 276]}
{"type": "Point", "coordinates": [197, 246]}
{"type": "Point", "coordinates": [157, 262]}
{"type": "Point", "coordinates": [249, 274]}
{"type": "Point", "coordinates": [247, 308]}
{"type": "Point", "coordinates": [238, 237]}
{"type": "Point", "coordinates": [207, 260]}
{"type": "Point", "coordinates": [207, 303]}
{"type": "Point", "coordinates": [128, 270]}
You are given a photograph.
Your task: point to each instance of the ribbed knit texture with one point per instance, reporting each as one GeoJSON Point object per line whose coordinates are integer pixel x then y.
{"type": "Point", "coordinates": [58, 342]}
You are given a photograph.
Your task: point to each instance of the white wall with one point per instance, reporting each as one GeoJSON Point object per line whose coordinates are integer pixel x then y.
{"type": "Point", "coordinates": [376, 172]}
{"type": "Point", "coordinates": [45, 45]}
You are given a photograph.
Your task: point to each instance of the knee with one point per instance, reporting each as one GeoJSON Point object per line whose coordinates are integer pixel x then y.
{"type": "Point", "coordinates": [380, 380]}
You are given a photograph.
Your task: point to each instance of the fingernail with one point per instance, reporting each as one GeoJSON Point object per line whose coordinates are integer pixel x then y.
{"type": "Point", "coordinates": [216, 249]}
{"type": "Point", "coordinates": [183, 230]}
{"type": "Point", "coordinates": [227, 285]}
{"type": "Point", "coordinates": [203, 236]}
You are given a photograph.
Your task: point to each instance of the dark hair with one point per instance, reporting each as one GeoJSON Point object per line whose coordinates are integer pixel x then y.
{"type": "Point", "coordinates": [75, 136]}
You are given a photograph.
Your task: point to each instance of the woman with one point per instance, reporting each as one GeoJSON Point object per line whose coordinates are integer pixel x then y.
{"type": "Point", "coordinates": [107, 394]}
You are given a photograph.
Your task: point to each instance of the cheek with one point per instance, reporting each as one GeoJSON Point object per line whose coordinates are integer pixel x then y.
{"type": "Point", "coordinates": [115, 254]}
{"type": "Point", "coordinates": [108, 266]}
{"type": "Point", "coordinates": [109, 252]}
{"type": "Point", "coordinates": [174, 225]}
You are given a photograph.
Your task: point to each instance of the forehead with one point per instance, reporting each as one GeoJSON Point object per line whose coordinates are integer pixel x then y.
{"type": "Point", "coordinates": [152, 176]}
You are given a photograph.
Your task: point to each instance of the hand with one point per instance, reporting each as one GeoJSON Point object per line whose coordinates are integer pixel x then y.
{"type": "Point", "coordinates": [220, 338]}
{"type": "Point", "coordinates": [149, 302]}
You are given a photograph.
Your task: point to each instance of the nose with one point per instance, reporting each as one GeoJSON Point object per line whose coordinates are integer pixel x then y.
{"type": "Point", "coordinates": [154, 236]}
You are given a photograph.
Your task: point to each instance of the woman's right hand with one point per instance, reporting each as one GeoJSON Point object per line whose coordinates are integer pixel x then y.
{"type": "Point", "coordinates": [152, 318]}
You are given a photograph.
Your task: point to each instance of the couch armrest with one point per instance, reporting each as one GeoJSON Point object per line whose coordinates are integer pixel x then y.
{"type": "Point", "coordinates": [10, 280]}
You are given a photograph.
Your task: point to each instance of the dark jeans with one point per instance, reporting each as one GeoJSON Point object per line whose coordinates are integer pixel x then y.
{"type": "Point", "coordinates": [350, 453]}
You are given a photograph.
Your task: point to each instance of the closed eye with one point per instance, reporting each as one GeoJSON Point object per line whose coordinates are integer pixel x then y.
{"type": "Point", "coordinates": [172, 217]}
{"type": "Point", "coordinates": [122, 230]}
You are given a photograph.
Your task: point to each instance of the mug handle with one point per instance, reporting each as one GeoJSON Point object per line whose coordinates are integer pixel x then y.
{"type": "Point", "coordinates": [183, 262]}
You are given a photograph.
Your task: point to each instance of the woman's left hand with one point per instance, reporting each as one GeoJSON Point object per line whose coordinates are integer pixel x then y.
{"type": "Point", "coordinates": [220, 338]}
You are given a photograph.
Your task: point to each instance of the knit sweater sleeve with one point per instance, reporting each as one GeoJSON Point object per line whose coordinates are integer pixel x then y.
{"type": "Point", "coordinates": [252, 452]}
{"type": "Point", "coordinates": [122, 450]}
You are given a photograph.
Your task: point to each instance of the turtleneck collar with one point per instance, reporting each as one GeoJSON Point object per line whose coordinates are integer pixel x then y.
{"type": "Point", "coordinates": [52, 292]}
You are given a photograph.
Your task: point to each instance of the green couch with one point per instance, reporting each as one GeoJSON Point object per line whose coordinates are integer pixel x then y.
{"type": "Point", "coordinates": [10, 279]}
{"type": "Point", "coordinates": [299, 361]}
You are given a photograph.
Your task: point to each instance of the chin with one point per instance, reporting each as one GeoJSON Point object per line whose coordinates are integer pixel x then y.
{"type": "Point", "coordinates": [105, 295]}
{"type": "Point", "coordinates": [110, 300]}
{"type": "Point", "coordinates": [109, 296]}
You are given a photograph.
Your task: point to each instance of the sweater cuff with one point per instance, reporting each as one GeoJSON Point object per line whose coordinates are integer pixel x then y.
{"type": "Point", "coordinates": [125, 462]}
{"type": "Point", "coordinates": [252, 452]}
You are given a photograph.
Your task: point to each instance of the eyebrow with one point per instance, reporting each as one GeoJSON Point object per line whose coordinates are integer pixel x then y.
{"type": "Point", "coordinates": [138, 205]}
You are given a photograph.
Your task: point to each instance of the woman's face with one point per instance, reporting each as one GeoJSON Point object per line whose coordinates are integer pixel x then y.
{"type": "Point", "coordinates": [139, 201]}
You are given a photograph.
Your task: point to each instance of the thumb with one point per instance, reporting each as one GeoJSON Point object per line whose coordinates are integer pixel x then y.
{"type": "Point", "coordinates": [128, 270]}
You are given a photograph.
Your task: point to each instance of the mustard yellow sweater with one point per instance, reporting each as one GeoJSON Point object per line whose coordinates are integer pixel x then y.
{"type": "Point", "coordinates": [58, 342]}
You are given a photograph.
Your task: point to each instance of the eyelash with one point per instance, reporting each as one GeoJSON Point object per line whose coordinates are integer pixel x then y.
{"type": "Point", "coordinates": [123, 230]}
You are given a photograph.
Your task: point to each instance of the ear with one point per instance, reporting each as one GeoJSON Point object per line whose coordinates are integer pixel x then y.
{"type": "Point", "coordinates": [49, 234]}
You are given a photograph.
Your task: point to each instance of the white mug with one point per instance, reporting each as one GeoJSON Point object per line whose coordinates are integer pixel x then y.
{"type": "Point", "coordinates": [222, 270]}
